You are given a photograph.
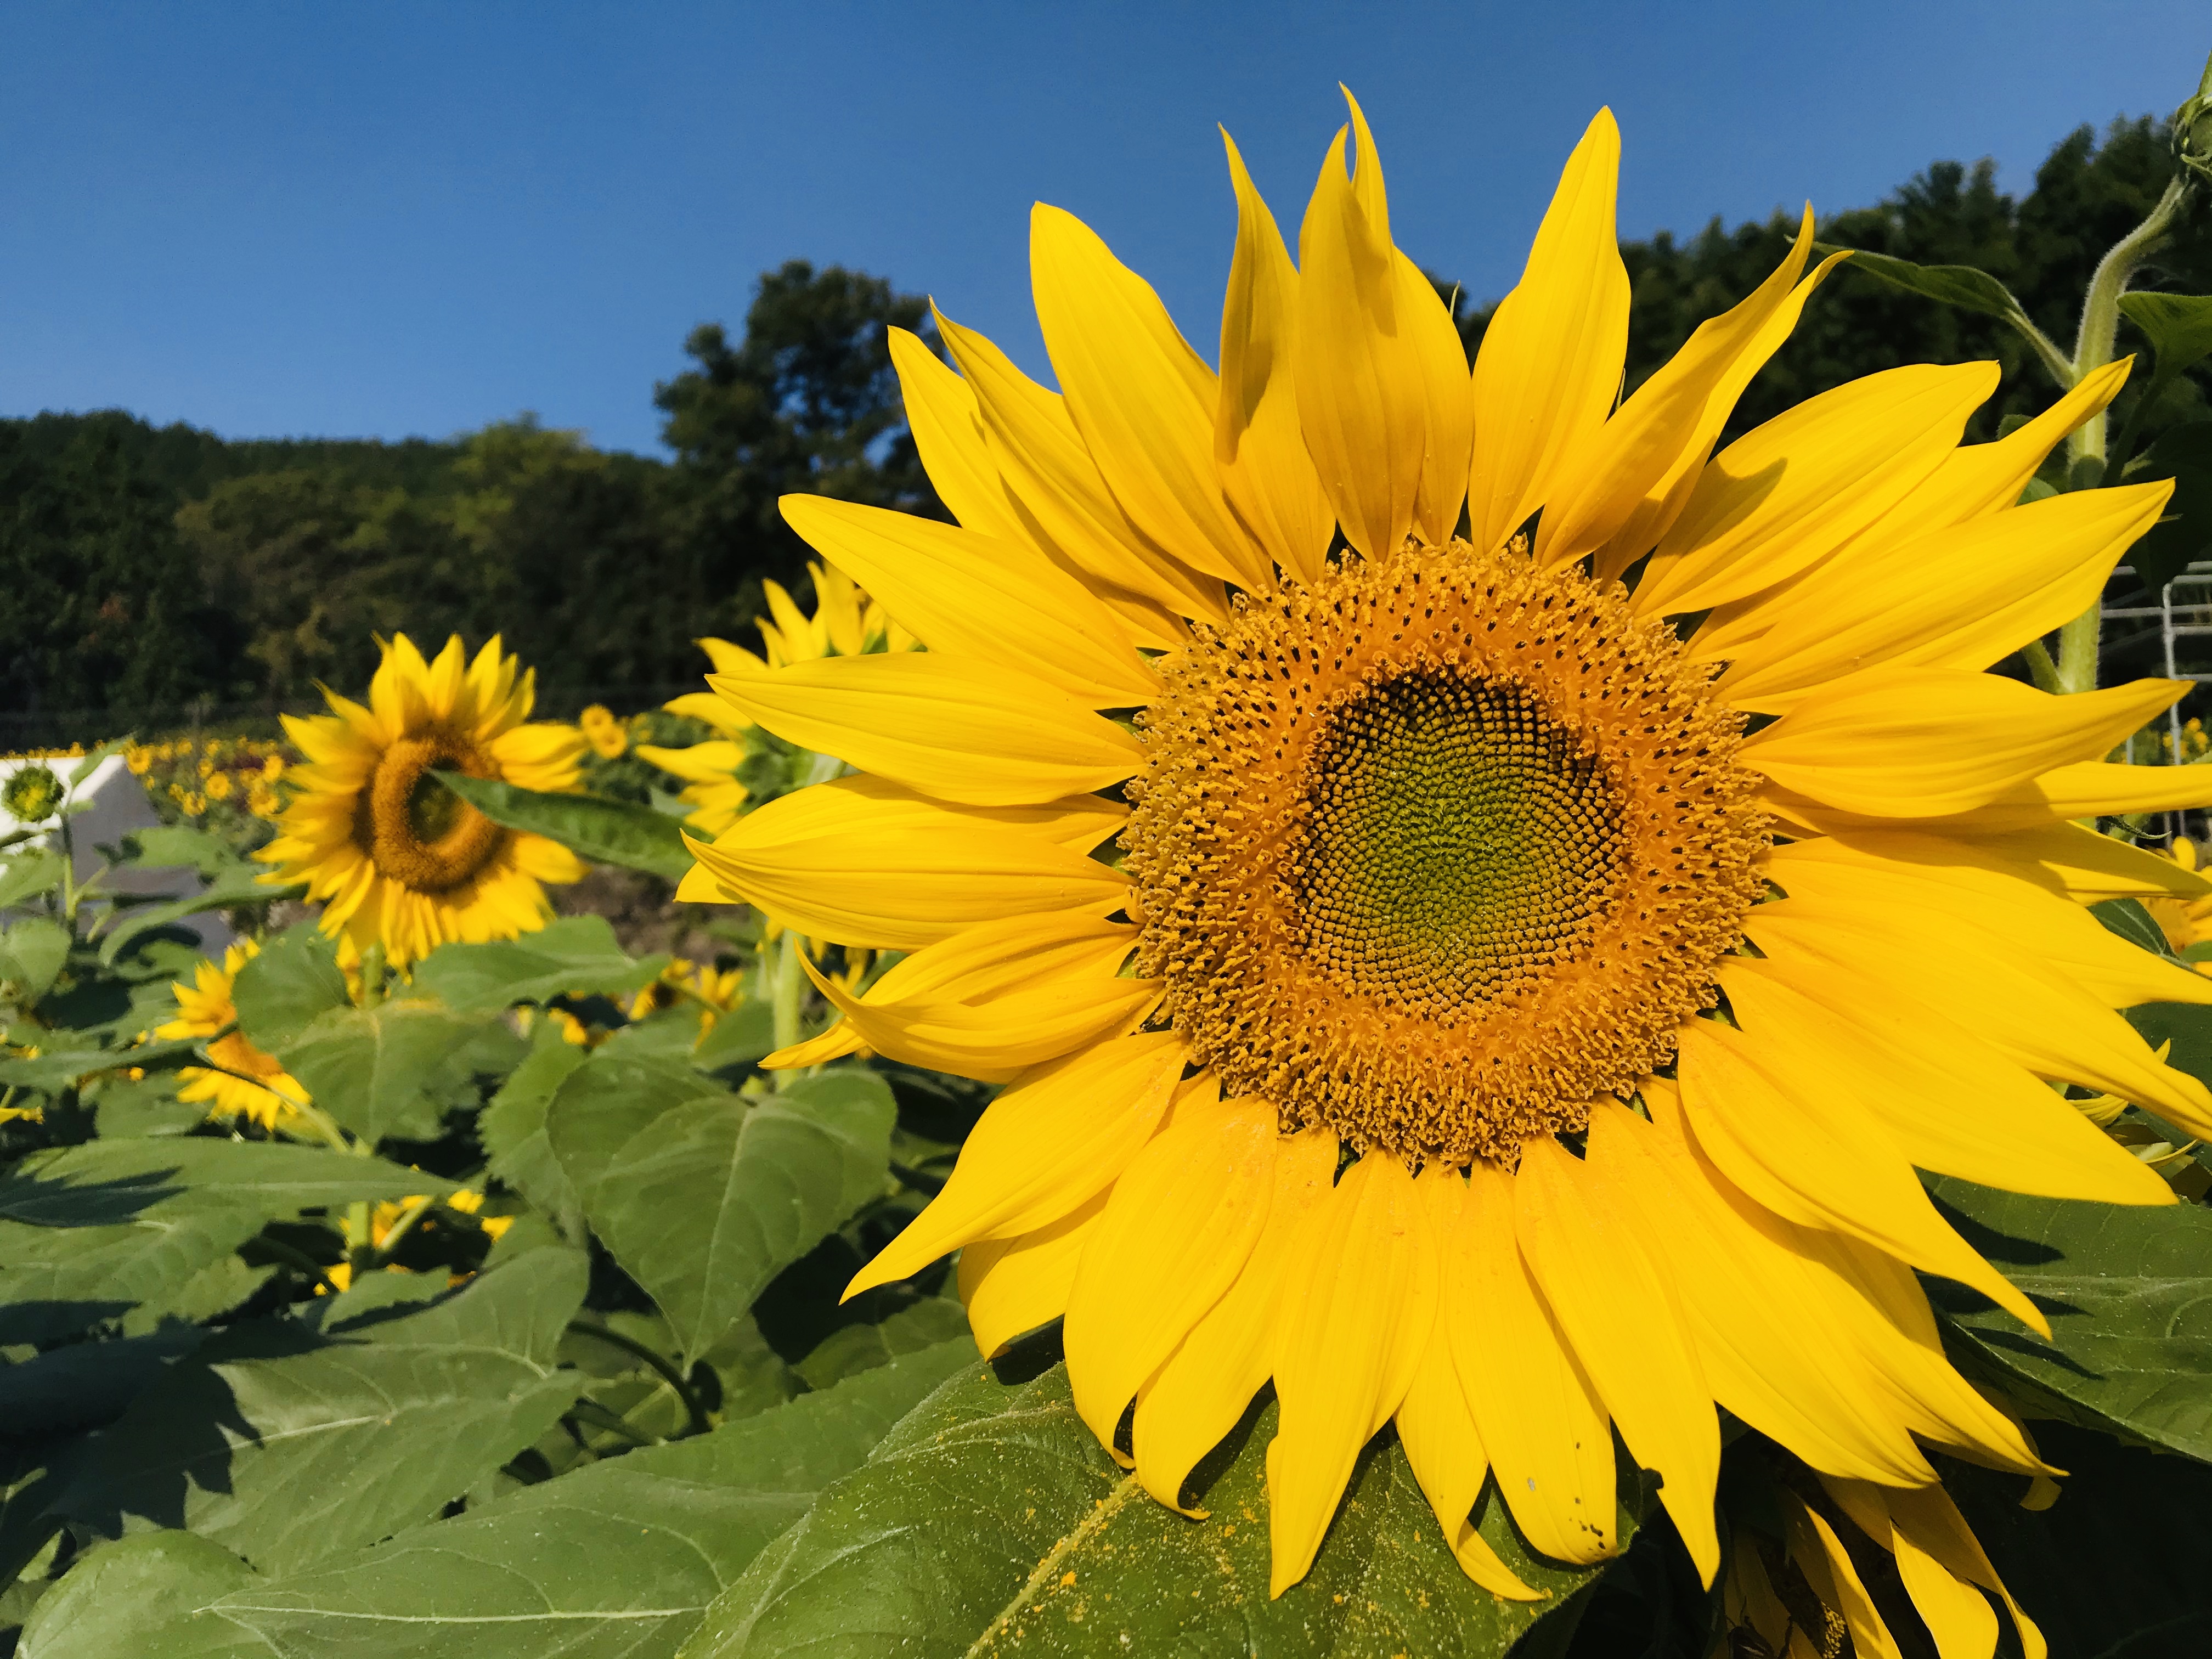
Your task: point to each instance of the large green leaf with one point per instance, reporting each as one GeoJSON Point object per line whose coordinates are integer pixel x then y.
{"type": "Point", "coordinates": [2115, 1569]}
{"type": "Point", "coordinates": [54, 1070]}
{"type": "Point", "coordinates": [32, 952]}
{"type": "Point", "coordinates": [2128, 1294]}
{"type": "Point", "coordinates": [2179, 326]}
{"type": "Point", "coordinates": [605, 831]}
{"type": "Point", "coordinates": [991, 1520]}
{"type": "Point", "coordinates": [104, 1182]}
{"type": "Point", "coordinates": [288, 1445]}
{"type": "Point", "coordinates": [233, 886]}
{"type": "Point", "coordinates": [851, 1349]}
{"type": "Point", "coordinates": [576, 955]}
{"type": "Point", "coordinates": [616, 1560]}
{"type": "Point", "coordinates": [705, 1202]}
{"type": "Point", "coordinates": [373, 1068]}
{"type": "Point", "coordinates": [294, 982]}
{"type": "Point", "coordinates": [142, 1596]}
{"type": "Point", "coordinates": [513, 1127]}
{"type": "Point", "coordinates": [57, 1281]}
{"type": "Point", "coordinates": [28, 873]}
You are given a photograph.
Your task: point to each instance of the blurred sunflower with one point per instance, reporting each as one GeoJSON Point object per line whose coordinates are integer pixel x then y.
{"type": "Point", "coordinates": [608, 736]}
{"type": "Point", "coordinates": [2185, 921]}
{"type": "Point", "coordinates": [1386, 1060]}
{"type": "Point", "coordinates": [250, 1083]}
{"type": "Point", "coordinates": [393, 854]}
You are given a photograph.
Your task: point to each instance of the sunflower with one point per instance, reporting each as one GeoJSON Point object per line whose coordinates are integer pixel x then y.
{"type": "Point", "coordinates": [1564, 882]}
{"type": "Point", "coordinates": [846, 622]}
{"type": "Point", "coordinates": [393, 854]}
{"type": "Point", "coordinates": [244, 1081]}
{"type": "Point", "coordinates": [607, 735]}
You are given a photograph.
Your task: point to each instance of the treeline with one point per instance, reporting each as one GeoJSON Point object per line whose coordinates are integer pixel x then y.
{"type": "Point", "coordinates": [142, 568]}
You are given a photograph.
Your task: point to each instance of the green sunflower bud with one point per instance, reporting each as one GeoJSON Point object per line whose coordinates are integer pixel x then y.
{"type": "Point", "coordinates": [31, 794]}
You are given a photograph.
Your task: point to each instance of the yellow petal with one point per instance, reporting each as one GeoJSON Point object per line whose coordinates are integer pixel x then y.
{"type": "Point", "coordinates": [2087, 866]}
{"type": "Point", "coordinates": [1365, 1268]}
{"type": "Point", "coordinates": [1142, 399]}
{"type": "Point", "coordinates": [1438, 1433]}
{"type": "Point", "coordinates": [1789, 493]}
{"type": "Point", "coordinates": [976, 597]}
{"type": "Point", "coordinates": [1258, 449]}
{"type": "Point", "coordinates": [948, 435]}
{"type": "Point", "coordinates": [1197, 1398]}
{"type": "Point", "coordinates": [1620, 490]}
{"type": "Point", "coordinates": [1039, 1149]}
{"type": "Point", "coordinates": [1827, 1565]}
{"type": "Point", "coordinates": [1015, 1285]}
{"type": "Point", "coordinates": [1882, 870]}
{"type": "Point", "coordinates": [977, 732]}
{"type": "Point", "coordinates": [859, 861]}
{"type": "Point", "coordinates": [1773, 1118]}
{"type": "Point", "coordinates": [1763, 1312]}
{"type": "Point", "coordinates": [1576, 1222]}
{"type": "Point", "coordinates": [1947, 1101]}
{"type": "Point", "coordinates": [1965, 1625]}
{"type": "Point", "coordinates": [1931, 1521]}
{"type": "Point", "coordinates": [1181, 1223]}
{"type": "Point", "coordinates": [1961, 596]}
{"type": "Point", "coordinates": [998, 1040]}
{"type": "Point", "coordinates": [1533, 1405]}
{"type": "Point", "coordinates": [1898, 742]}
{"type": "Point", "coordinates": [1550, 364]}
{"type": "Point", "coordinates": [1061, 495]}
{"type": "Point", "coordinates": [1383, 391]}
{"type": "Point", "coordinates": [2032, 1014]}
{"type": "Point", "coordinates": [711, 710]}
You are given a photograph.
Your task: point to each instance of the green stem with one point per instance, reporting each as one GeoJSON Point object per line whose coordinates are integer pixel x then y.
{"type": "Point", "coordinates": [669, 1374]}
{"type": "Point", "coordinates": [2040, 668]}
{"type": "Point", "coordinates": [300, 1260]}
{"type": "Point", "coordinates": [399, 1229]}
{"type": "Point", "coordinates": [2080, 639]}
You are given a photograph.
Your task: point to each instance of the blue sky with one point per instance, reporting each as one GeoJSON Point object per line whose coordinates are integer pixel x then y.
{"type": "Point", "coordinates": [393, 219]}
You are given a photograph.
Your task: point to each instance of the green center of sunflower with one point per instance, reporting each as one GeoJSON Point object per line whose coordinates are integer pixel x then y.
{"type": "Point", "coordinates": [1438, 850]}
{"type": "Point", "coordinates": [1457, 842]}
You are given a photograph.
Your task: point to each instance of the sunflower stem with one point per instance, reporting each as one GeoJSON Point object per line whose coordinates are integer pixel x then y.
{"type": "Point", "coordinates": [372, 974]}
{"type": "Point", "coordinates": [2080, 639]}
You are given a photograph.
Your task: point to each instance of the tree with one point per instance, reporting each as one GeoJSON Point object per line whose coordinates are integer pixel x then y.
{"type": "Point", "coordinates": [806, 402]}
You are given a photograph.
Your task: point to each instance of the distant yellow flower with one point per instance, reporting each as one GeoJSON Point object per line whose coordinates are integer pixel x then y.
{"type": "Point", "coordinates": [603, 732]}
{"type": "Point", "coordinates": [2185, 921]}
{"type": "Point", "coordinates": [392, 854]}
{"type": "Point", "coordinates": [710, 772]}
{"type": "Point", "coordinates": [273, 768]}
{"type": "Point", "coordinates": [251, 1084]}
{"type": "Point", "coordinates": [139, 758]}
{"type": "Point", "coordinates": [195, 803]}
{"type": "Point", "coordinates": [263, 802]}
{"type": "Point", "coordinates": [219, 787]}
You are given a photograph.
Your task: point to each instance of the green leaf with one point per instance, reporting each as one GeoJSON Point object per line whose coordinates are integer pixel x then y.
{"type": "Point", "coordinates": [174, 846]}
{"type": "Point", "coordinates": [616, 1560]}
{"type": "Point", "coordinates": [2115, 1569]}
{"type": "Point", "coordinates": [88, 1384]}
{"type": "Point", "coordinates": [56, 1071]}
{"type": "Point", "coordinates": [28, 873]}
{"type": "Point", "coordinates": [2177, 325]}
{"type": "Point", "coordinates": [577, 956]}
{"type": "Point", "coordinates": [1952, 285]}
{"type": "Point", "coordinates": [2133, 923]}
{"type": "Point", "coordinates": [294, 982]}
{"type": "Point", "coordinates": [605, 831]}
{"type": "Point", "coordinates": [2186, 1025]}
{"type": "Point", "coordinates": [104, 1182]}
{"type": "Point", "coordinates": [287, 1446]}
{"type": "Point", "coordinates": [143, 1596]}
{"type": "Point", "coordinates": [32, 952]}
{"type": "Point", "coordinates": [741, 1036]}
{"type": "Point", "coordinates": [59, 1281]}
{"type": "Point", "coordinates": [992, 1520]}
{"type": "Point", "coordinates": [235, 886]}
{"type": "Point", "coordinates": [2125, 1290]}
{"type": "Point", "coordinates": [513, 1127]}
{"type": "Point", "coordinates": [704, 1202]}
{"type": "Point", "coordinates": [852, 1349]}
{"type": "Point", "coordinates": [373, 1069]}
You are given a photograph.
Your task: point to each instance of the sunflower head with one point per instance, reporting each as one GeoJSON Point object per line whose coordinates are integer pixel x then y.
{"type": "Point", "coordinates": [31, 794]}
{"type": "Point", "coordinates": [395, 855]}
{"type": "Point", "coordinates": [244, 1081]}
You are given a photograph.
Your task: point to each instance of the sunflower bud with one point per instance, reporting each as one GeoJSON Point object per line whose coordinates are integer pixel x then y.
{"type": "Point", "coordinates": [2192, 129]}
{"type": "Point", "coordinates": [31, 794]}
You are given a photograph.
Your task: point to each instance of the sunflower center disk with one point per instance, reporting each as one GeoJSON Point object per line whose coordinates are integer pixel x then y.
{"type": "Point", "coordinates": [1437, 851]}
{"type": "Point", "coordinates": [419, 833]}
{"type": "Point", "coordinates": [1455, 844]}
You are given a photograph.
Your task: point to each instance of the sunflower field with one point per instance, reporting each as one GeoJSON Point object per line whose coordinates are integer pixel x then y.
{"type": "Point", "coordinates": [1384, 1005]}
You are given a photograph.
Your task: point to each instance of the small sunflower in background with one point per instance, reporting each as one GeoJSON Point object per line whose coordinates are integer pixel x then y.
{"type": "Point", "coordinates": [846, 622]}
{"type": "Point", "coordinates": [394, 855]}
{"type": "Point", "coordinates": [609, 736]}
{"type": "Point", "coordinates": [2185, 921]}
{"type": "Point", "coordinates": [249, 1084]}
{"type": "Point", "coordinates": [1535, 959]}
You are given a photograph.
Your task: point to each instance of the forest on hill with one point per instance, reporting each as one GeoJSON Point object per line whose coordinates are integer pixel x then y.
{"type": "Point", "coordinates": [149, 572]}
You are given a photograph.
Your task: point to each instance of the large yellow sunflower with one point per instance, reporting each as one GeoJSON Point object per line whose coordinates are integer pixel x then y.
{"type": "Point", "coordinates": [244, 1081]}
{"type": "Point", "coordinates": [393, 854]}
{"type": "Point", "coordinates": [1551, 922]}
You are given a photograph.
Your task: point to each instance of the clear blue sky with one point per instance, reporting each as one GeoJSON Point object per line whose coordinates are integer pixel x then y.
{"type": "Point", "coordinates": [390, 219]}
